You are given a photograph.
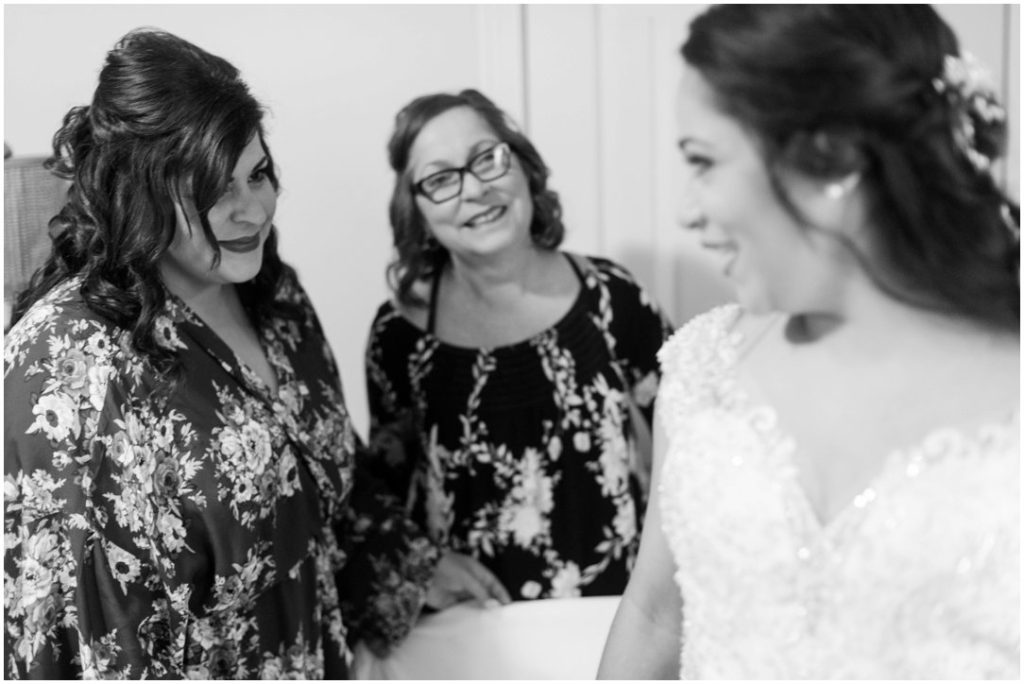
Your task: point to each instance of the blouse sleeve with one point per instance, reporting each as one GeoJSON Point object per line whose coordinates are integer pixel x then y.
{"type": "Point", "coordinates": [639, 327]}
{"type": "Point", "coordinates": [390, 561]}
{"type": "Point", "coordinates": [83, 597]}
{"type": "Point", "coordinates": [636, 328]}
{"type": "Point", "coordinates": [394, 443]}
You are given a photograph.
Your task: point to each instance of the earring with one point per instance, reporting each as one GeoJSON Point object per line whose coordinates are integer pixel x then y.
{"type": "Point", "coordinates": [834, 191]}
{"type": "Point", "coordinates": [838, 189]}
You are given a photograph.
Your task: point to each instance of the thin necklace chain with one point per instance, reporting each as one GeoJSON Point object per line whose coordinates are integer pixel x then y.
{"type": "Point", "coordinates": [756, 339]}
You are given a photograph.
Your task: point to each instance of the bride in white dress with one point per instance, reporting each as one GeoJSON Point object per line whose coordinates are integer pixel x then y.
{"type": "Point", "coordinates": [837, 455]}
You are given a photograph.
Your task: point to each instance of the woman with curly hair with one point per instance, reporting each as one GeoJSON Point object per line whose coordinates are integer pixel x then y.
{"type": "Point", "coordinates": [507, 379]}
{"type": "Point", "coordinates": [178, 457]}
{"type": "Point", "coordinates": [837, 456]}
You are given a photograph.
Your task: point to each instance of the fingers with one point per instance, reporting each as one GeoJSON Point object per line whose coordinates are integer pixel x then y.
{"type": "Point", "coordinates": [494, 588]}
{"type": "Point", "coordinates": [439, 599]}
{"type": "Point", "coordinates": [485, 587]}
{"type": "Point", "coordinates": [459, 577]}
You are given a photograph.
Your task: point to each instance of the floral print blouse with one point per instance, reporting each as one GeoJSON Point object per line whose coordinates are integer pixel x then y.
{"type": "Point", "coordinates": [200, 530]}
{"type": "Point", "coordinates": [523, 456]}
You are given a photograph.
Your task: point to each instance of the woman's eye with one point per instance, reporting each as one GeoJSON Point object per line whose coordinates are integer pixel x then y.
{"type": "Point", "coordinates": [697, 163]}
{"type": "Point", "coordinates": [485, 160]}
{"type": "Point", "coordinates": [259, 175]}
{"type": "Point", "coordinates": [439, 180]}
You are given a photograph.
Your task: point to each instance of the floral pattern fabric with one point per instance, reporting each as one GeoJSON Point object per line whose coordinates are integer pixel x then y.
{"type": "Point", "coordinates": [917, 578]}
{"type": "Point", "coordinates": [523, 456]}
{"type": "Point", "coordinates": [193, 530]}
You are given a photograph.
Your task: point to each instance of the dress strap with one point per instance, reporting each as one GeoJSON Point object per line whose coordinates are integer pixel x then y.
{"type": "Point", "coordinates": [576, 267]}
{"type": "Point", "coordinates": [432, 313]}
{"type": "Point", "coordinates": [571, 258]}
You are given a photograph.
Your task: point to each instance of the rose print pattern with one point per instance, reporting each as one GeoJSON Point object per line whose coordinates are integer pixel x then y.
{"type": "Point", "coordinates": [195, 530]}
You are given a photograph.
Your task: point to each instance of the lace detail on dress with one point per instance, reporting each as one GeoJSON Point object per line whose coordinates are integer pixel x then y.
{"type": "Point", "coordinates": [916, 578]}
{"type": "Point", "coordinates": [693, 362]}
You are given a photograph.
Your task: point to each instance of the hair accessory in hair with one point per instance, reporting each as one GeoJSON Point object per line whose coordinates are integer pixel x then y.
{"type": "Point", "coordinates": [967, 86]}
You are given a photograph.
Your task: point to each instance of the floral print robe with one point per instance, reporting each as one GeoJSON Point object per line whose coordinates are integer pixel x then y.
{"type": "Point", "coordinates": [194, 531]}
{"type": "Point", "coordinates": [522, 456]}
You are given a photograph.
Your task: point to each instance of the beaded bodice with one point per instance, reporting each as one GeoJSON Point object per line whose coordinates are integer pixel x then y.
{"type": "Point", "coordinates": [918, 577]}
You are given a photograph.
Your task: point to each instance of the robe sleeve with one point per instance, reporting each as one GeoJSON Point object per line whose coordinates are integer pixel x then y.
{"type": "Point", "coordinates": [84, 594]}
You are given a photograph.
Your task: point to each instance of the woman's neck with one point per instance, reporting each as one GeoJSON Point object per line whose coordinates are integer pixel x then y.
{"type": "Point", "coordinates": [513, 274]}
{"type": "Point", "coordinates": [873, 324]}
{"type": "Point", "coordinates": [215, 304]}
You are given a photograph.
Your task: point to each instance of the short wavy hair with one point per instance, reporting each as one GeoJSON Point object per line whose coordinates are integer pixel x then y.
{"type": "Point", "coordinates": [831, 90]}
{"type": "Point", "coordinates": [167, 118]}
{"type": "Point", "coordinates": [417, 257]}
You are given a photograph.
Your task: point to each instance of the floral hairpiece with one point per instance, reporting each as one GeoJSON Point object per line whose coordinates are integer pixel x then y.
{"type": "Point", "coordinates": [968, 88]}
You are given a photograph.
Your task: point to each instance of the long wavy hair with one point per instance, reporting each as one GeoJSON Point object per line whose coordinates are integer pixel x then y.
{"type": "Point", "coordinates": [168, 121]}
{"type": "Point", "coordinates": [831, 90]}
{"type": "Point", "coordinates": [417, 255]}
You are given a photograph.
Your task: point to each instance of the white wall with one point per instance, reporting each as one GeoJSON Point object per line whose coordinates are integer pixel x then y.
{"type": "Point", "coordinates": [333, 78]}
{"type": "Point", "coordinates": [601, 81]}
{"type": "Point", "coordinates": [591, 84]}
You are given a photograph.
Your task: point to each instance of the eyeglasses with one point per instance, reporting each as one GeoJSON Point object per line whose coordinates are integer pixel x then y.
{"type": "Point", "coordinates": [491, 164]}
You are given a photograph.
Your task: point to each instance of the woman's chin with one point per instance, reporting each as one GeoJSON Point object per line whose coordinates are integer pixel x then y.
{"type": "Point", "coordinates": [241, 273]}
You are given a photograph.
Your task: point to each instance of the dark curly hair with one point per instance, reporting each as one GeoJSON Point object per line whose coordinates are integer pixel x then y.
{"type": "Point", "coordinates": [167, 119]}
{"type": "Point", "coordinates": [417, 257]}
{"type": "Point", "coordinates": [831, 90]}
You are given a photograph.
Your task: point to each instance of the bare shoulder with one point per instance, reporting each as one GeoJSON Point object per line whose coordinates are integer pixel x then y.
{"type": "Point", "coordinates": [1001, 366]}
{"type": "Point", "coordinates": [978, 364]}
{"type": "Point", "coordinates": [559, 273]}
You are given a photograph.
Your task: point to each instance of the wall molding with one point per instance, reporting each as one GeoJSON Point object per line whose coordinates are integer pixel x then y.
{"type": "Point", "coordinates": [503, 58]}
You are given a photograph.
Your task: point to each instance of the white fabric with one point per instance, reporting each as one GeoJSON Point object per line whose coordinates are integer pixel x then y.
{"type": "Point", "coordinates": [543, 639]}
{"type": "Point", "coordinates": [917, 578]}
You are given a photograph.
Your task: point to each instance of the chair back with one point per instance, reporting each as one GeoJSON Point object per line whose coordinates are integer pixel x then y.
{"type": "Point", "coordinates": [32, 196]}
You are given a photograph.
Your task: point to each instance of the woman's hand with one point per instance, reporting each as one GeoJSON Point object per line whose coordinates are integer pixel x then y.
{"type": "Point", "coordinates": [458, 578]}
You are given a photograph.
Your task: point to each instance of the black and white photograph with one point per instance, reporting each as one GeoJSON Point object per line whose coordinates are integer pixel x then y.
{"type": "Point", "coordinates": [511, 341]}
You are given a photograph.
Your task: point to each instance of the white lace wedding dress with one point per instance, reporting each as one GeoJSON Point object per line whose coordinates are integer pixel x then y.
{"type": "Point", "coordinates": [917, 578]}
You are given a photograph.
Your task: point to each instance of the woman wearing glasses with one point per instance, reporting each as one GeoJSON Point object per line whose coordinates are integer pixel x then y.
{"type": "Point", "coordinates": [503, 375]}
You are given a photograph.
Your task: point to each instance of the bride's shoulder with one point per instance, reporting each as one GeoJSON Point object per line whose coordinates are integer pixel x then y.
{"type": "Point", "coordinates": [702, 337]}
{"type": "Point", "coordinates": [699, 356]}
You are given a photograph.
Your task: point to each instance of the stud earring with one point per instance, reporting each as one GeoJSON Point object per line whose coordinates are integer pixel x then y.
{"type": "Point", "coordinates": [838, 189]}
{"type": "Point", "coordinates": [834, 191]}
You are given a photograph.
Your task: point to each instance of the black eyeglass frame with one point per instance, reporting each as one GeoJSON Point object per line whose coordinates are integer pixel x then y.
{"type": "Point", "coordinates": [462, 171]}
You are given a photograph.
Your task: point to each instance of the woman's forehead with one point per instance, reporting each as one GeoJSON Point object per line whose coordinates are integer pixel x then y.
{"type": "Point", "coordinates": [252, 154]}
{"type": "Point", "coordinates": [449, 136]}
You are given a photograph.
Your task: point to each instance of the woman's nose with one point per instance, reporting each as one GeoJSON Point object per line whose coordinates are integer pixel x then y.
{"type": "Point", "coordinates": [249, 208]}
{"type": "Point", "coordinates": [473, 187]}
{"type": "Point", "coordinates": [691, 215]}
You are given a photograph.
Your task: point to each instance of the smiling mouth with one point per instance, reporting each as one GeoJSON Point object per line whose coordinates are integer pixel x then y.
{"type": "Point", "coordinates": [489, 216]}
{"type": "Point", "coordinates": [241, 245]}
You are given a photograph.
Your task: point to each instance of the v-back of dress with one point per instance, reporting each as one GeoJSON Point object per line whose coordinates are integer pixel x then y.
{"type": "Point", "coordinates": [917, 578]}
